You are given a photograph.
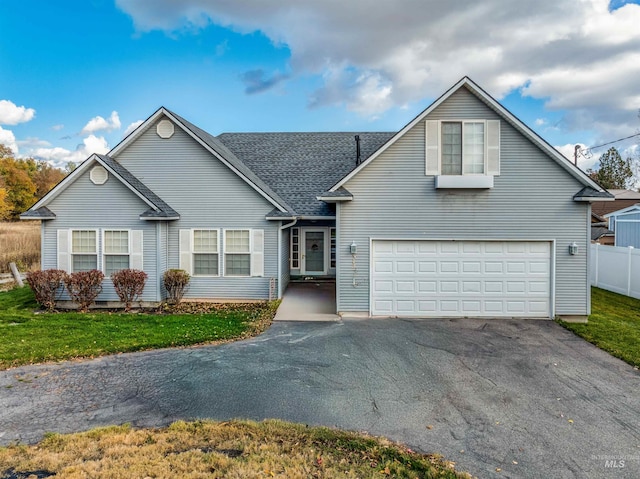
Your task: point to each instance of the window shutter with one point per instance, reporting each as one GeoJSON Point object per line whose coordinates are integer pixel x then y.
{"type": "Point", "coordinates": [432, 132]}
{"type": "Point", "coordinates": [64, 250]}
{"type": "Point", "coordinates": [137, 259]}
{"type": "Point", "coordinates": [257, 252]}
{"type": "Point", "coordinates": [493, 147]}
{"type": "Point", "coordinates": [185, 251]}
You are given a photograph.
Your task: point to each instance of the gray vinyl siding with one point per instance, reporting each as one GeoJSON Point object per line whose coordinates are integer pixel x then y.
{"type": "Point", "coordinates": [530, 200]}
{"type": "Point", "coordinates": [284, 265]}
{"type": "Point", "coordinates": [207, 195]}
{"type": "Point", "coordinates": [84, 205]}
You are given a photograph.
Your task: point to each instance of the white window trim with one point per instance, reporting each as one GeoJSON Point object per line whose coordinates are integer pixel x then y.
{"type": "Point", "coordinates": [96, 252]}
{"type": "Point", "coordinates": [294, 263]}
{"type": "Point", "coordinates": [433, 154]}
{"type": "Point", "coordinates": [194, 252]}
{"type": "Point", "coordinates": [104, 248]}
{"type": "Point", "coordinates": [333, 252]}
{"type": "Point", "coordinates": [484, 154]}
{"type": "Point", "coordinates": [224, 254]}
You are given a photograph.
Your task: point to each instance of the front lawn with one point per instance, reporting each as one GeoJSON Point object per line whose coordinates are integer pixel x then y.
{"type": "Point", "coordinates": [29, 336]}
{"type": "Point", "coordinates": [614, 325]}
{"type": "Point", "coordinates": [235, 449]}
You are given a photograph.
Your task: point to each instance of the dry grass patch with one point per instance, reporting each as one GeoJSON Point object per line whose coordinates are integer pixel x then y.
{"type": "Point", "coordinates": [20, 244]}
{"type": "Point", "coordinates": [207, 449]}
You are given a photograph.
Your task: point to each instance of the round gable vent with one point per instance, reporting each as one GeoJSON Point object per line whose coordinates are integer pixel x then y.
{"type": "Point", "coordinates": [98, 175]}
{"type": "Point", "coordinates": [165, 129]}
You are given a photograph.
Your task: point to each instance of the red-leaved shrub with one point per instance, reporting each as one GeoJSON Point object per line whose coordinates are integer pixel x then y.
{"type": "Point", "coordinates": [129, 284]}
{"type": "Point", "coordinates": [175, 282]}
{"type": "Point", "coordinates": [84, 287]}
{"type": "Point", "coordinates": [47, 286]}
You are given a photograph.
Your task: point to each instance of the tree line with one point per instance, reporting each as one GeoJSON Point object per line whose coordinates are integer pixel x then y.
{"type": "Point", "coordinates": [614, 172]}
{"type": "Point", "coordinates": [23, 181]}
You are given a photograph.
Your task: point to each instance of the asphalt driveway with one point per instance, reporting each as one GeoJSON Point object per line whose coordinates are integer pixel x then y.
{"type": "Point", "coordinates": [526, 397]}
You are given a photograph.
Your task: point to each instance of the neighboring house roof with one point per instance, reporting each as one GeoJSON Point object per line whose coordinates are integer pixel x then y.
{"type": "Point", "coordinates": [301, 166]}
{"type": "Point", "coordinates": [466, 82]}
{"type": "Point", "coordinates": [629, 210]}
{"type": "Point", "coordinates": [595, 219]}
{"type": "Point", "coordinates": [623, 199]}
{"type": "Point", "coordinates": [598, 232]}
{"type": "Point", "coordinates": [158, 208]}
{"type": "Point", "coordinates": [625, 194]}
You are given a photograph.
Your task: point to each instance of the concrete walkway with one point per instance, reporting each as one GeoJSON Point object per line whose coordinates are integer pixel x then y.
{"type": "Point", "coordinates": [308, 301]}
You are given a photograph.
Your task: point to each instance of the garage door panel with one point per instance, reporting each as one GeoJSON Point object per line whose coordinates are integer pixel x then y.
{"type": "Point", "coordinates": [471, 267]}
{"type": "Point", "coordinates": [383, 266]}
{"type": "Point", "coordinates": [405, 287]}
{"type": "Point", "coordinates": [427, 286]}
{"type": "Point", "coordinates": [461, 278]}
{"type": "Point", "coordinates": [493, 267]}
{"type": "Point", "coordinates": [427, 266]}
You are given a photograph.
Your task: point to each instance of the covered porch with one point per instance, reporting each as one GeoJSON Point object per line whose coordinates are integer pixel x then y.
{"type": "Point", "coordinates": [308, 301]}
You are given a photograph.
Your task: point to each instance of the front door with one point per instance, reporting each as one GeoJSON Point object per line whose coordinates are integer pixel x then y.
{"type": "Point", "coordinates": [314, 252]}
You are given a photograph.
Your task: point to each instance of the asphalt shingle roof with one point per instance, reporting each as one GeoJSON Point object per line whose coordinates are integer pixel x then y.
{"type": "Point", "coordinates": [301, 166]}
{"type": "Point", "coordinates": [42, 213]}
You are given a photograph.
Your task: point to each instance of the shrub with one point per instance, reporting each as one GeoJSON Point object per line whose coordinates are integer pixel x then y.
{"type": "Point", "coordinates": [129, 284]}
{"type": "Point", "coordinates": [175, 282]}
{"type": "Point", "coordinates": [47, 286]}
{"type": "Point", "coordinates": [84, 287]}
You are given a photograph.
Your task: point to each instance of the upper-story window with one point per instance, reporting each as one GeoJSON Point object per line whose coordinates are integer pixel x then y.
{"type": "Point", "coordinates": [463, 148]}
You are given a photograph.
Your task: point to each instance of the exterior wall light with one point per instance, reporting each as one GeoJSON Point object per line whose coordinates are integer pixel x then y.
{"type": "Point", "coordinates": [573, 249]}
{"type": "Point", "coordinates": [353, 248]}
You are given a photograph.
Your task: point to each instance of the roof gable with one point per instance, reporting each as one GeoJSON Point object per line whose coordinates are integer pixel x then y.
{"type": "Point", "coordinates": [213, 146]}
{"type": "Point", "coordinates": [505, 114]}
{"type": "Point", "coordinates": [158, 209]}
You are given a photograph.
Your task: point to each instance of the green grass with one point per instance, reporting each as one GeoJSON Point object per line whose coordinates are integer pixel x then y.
{"type": "Point", "coordinates": [614, 325]}
{"type": "Point", "coordinates": [29, 336]}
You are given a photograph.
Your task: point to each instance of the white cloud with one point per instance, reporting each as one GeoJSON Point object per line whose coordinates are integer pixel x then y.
{"type": "Point", "coordinates": [131, 127]}
{"type": "Point", "coordinates": [57, 127]}
{"type": "Point", "coordinates": [8, 139]}
{"type": "Point", "coordinates": [59, 157]}
{"type": "Point", "coordinates": [576, 56]}
{"type": "Point", "coordinates": [100, 124]}
{"type": "Point", "coordinates": [540, 122]}
{"type": "Point", "coordinates": [11, 114]}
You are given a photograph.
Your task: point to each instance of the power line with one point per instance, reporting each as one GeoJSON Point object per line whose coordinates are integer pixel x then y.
{"type": "Point", "coordinates": [587, 151]}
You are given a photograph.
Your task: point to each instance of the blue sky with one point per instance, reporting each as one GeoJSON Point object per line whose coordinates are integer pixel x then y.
{"type": "Point", "coordinates": [568, 69]}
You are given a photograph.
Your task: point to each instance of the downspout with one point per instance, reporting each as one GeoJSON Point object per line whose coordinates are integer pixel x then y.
{"type": "Point", "coordinates": [281, 228]}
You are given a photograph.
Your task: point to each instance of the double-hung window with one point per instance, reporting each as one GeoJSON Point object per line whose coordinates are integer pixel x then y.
{"type": "Point", "coordinates": [237, 253]}
{"type": "Point", "coordinates": [462, 153]}
{"type": "Point", "coordinates": [84, 250]}
{"type": "Point", "coordinates": [463, 148]}
{"type": "Point", "coordinates": [116, 251]}
{"type": "Point", "coordinates": [205, 253]}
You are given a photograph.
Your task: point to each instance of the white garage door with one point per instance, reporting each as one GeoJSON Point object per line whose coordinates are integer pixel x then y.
{"type": "Point", "coordinates": [461, 278]}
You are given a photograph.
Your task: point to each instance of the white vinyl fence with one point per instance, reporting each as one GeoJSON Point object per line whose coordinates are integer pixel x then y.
{"type": "Point", "coordinates": [616, 269]}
